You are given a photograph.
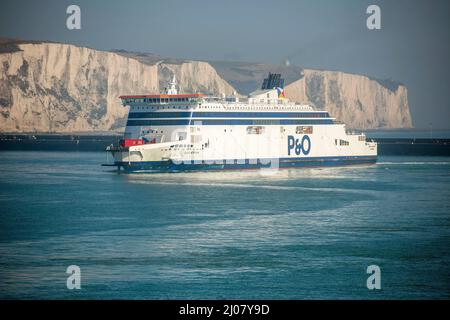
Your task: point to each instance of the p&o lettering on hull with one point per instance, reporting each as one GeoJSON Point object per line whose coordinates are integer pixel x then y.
{"type": "Point", "coordinates": [299, 146]}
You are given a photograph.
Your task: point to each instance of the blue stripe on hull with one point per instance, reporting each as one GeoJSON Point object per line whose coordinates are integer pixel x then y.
{"type": "Point", "coordinates": [169, 166]}
{"type": "Point", "coordinates": [202, 114]}
{"type": "Point", "coordinates": [226, 122]}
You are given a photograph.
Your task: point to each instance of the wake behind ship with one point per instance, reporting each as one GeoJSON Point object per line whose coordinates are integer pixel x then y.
{"type": "Point", "coordinates": [177, 132]}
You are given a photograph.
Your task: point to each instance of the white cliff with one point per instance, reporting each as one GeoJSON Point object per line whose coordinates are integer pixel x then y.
{"type": "Point", "coordinates": [51, 87]}
{"type": "Point", "coordinates": [194, 76]}
{"type": "Point", "coordinates": [357, 100]}
{"type": "Point", "coordinates": [58, 87]}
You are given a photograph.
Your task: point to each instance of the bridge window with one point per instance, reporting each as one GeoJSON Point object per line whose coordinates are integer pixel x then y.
{"type": "Point", "coordinates": [343, 142]}
{"type": "Point", "coordinates": [304, 130]}
{"type": "Point", "coordinates": [255, 130]}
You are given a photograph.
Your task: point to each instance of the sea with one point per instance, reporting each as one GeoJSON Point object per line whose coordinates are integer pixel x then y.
{"type": "Point", "coordinates": [287, 234]}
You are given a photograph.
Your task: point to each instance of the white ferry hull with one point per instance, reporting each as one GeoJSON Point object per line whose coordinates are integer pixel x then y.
{"type": "Point", "coordinates": [231, 147]}
{"type": "Point", "coordinates": [178, 132]}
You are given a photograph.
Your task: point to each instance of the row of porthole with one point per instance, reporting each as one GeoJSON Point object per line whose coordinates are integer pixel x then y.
{"type": "Point", "coordinates": [213, 107]}
{"type": "Point", "coordinates": [158, 100]}
{"type": "Point", "coordinates": [162, 107]}
{"type": "Point", "coordinates": [268, 108]}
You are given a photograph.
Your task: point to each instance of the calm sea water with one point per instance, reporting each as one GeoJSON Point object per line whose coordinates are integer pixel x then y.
{"type": "Point", "coordinates": [293, 234]}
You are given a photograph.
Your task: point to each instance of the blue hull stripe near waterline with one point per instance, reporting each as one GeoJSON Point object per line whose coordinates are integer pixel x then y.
{"type": "Point", "coordinates": [225, 122]}
{"type": "Point", "coordinates": [169, 166]}
{"type": "Point", "coordinates": [201, 114]}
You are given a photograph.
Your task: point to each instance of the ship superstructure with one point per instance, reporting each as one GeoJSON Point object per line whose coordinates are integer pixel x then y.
{"type": "Point", "coordinates": [176, 132]}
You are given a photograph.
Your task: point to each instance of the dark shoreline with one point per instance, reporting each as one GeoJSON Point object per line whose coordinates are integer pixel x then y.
{"type": "Point", "coordinates": [413, 147]}
{"type": "Point", "coordinates": [57, 142]}
{"type": "Point", "coordinates": [98, 142]}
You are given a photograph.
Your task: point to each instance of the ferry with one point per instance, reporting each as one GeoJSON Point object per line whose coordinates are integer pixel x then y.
{"type": "Point", "coordinates": [174, 132]}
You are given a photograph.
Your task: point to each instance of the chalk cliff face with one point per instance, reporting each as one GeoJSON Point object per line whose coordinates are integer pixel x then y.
{"type": "Point", "coordinates": [58, 87]}
{"type": "Point", "coordinates": [194, 76]}
{"type": "Point", "coordinates": [51, 87]}
{"type": "Point", "coordinates": [358, 101]}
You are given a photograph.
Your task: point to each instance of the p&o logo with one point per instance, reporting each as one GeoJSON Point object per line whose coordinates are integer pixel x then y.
{"type": "Point", "coordinates": [299, 146]}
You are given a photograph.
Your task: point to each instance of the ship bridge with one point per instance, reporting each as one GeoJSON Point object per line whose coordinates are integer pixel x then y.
{"type": "Point", "coordinates": [161, 99]}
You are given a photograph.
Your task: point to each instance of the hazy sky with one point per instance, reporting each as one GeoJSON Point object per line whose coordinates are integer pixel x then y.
{"type": "Point", "coordinates": [413, 45]}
